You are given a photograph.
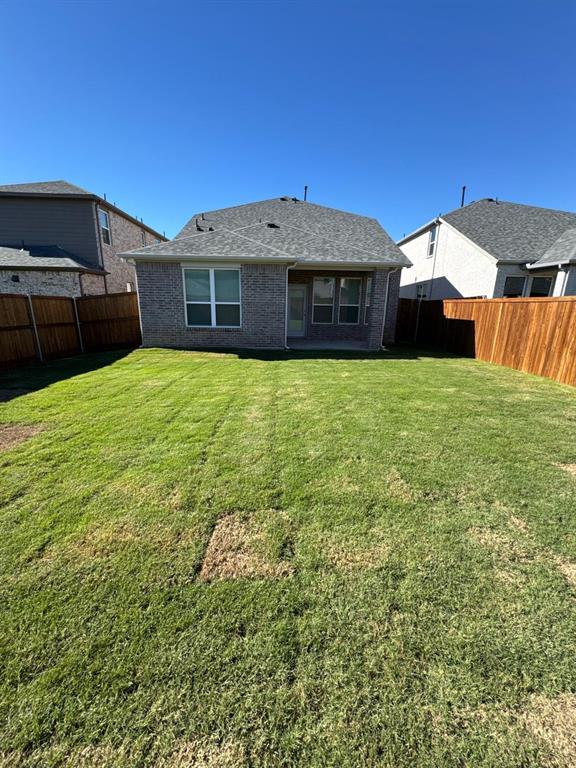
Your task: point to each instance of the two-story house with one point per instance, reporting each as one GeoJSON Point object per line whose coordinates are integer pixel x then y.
{"type": "Point", "coordinates": [492, 249]}
{"type": "Point", "coordinates": [59, 239]}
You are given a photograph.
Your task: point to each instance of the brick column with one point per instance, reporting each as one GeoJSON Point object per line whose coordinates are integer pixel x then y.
{"type": "Point", "coordinates": [379, 331]}
{"type": "Point", "coordinates": [392, 310]}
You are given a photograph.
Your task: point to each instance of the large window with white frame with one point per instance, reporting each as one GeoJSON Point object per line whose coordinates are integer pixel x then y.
{"type": "Point", "coordinates": [432, 240]}
{"type": "Point", "coordinates": [349, 306]}
{"type": "Point", "coordinates": [212, 297]}
{"type": "Point", "coordinates": [323, 300]}
{"type": "Point", "coordinates": [368, 298]}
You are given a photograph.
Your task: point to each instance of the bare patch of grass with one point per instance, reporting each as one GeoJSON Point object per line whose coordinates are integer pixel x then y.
{"type": "Point", "coordinates": [12, 435]}
{"type": "Point", "coordinates": [347, 550]}
{"type": "Point", "coordinates": [505, 547]}
{"type": "Point", "coordinates": [519, 524]}
{"type": "Point", "coordinates": [233, 553]}
{"type": "Point", "coordinates": [553, 720]}
{"type": "Point", "coordinates": [566, 568]}
{"type": "Point", "coordinates": [570, 468]}
{"type": "Point", "coordinates": [91, 756]}
{"type": "Point", "coordinates": [398, 488]}
{"type": "Point", "coordinates": [510, 550]}
{"type": "Point", "coordinates": [347, 559]}
{"type": "Point", "coordinates": [104, 540]}
{"type": "Point", "coordinates": [196, 754]}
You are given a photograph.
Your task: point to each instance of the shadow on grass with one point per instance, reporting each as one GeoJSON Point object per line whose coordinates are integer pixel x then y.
{"type": "Point", "coordinates": [396, 352]}
{"type": "Point", "coordinates": [20, 381]}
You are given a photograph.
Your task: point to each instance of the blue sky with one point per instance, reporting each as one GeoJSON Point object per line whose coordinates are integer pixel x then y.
{"type": "Point", "coordinates": [382, 108]}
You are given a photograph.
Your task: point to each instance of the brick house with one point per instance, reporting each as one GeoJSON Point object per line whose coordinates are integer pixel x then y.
{"type": "Point", "coordinates": [273, 274]}
{"type": "Point", "coordinates": [492, 248]}
{"type": "Point", "coordinates": [59, 239]}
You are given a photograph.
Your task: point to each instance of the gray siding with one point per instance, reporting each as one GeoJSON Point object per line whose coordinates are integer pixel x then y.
{"type": "Point", "coordinates": [48, 221]}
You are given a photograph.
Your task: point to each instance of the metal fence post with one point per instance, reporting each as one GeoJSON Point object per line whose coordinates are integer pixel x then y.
{"type": "Point", "coordinates": [78, 325]}
{"type": "Point", "coordinates": [35, 328]}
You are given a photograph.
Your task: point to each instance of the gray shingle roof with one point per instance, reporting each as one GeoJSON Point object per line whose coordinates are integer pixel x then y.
{"type": "Point", "coordinates": [510, 231]}
{"type": "Point", "coordinates": [44, 188]}
{"type": "Point", "coordinates": [42, 257]}
{"type": "Point", "coordinates": [562, 250]}
{"type": "Point", "coordinates": [304, 232]}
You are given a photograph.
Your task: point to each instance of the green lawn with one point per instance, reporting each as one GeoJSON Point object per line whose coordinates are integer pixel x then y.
{"type": "Point", "coordinates": [210, 560]}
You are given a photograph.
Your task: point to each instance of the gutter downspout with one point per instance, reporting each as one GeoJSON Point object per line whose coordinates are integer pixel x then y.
{"type": "Point", "coordinates": [289, 267]}
{"type": "Point", "coordinates": [390, 271]}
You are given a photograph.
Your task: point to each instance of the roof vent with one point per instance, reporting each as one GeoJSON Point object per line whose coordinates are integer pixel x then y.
{"type": "Point", "coordinates": [271, 225]}
{"type": "Point", "coordinates": [285, 199]}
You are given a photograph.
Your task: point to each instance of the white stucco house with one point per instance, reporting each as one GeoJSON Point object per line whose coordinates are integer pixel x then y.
{"type": "Point", "coordinates": [492, 249]}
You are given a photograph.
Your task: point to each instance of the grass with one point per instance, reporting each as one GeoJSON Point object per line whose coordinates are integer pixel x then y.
{"type": "Point", "coordinates": [210, 560]}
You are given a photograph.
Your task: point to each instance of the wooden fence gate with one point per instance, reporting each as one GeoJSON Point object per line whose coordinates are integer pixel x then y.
{"type": "Point", "coordinates": [46, 327]}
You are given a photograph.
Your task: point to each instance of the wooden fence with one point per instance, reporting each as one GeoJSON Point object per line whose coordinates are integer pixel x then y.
{"type": "Point", "coordinates": [535, 335]}
{"type": "Point", "coordinates": [45, 327]}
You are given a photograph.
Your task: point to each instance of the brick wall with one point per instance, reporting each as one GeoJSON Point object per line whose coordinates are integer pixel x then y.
{"type": "Point", "coordinates": [162, 310]}
{"type": "Point", "coordinates": [40, 282]}
{"type": "Point", "coordinates": [370, 332]}
{"type": "Point", "coordinates": [126, 235]}
{"type": "Point", "coordinates": [331, 331]}
{"type": "Point", "coordinates": [392, 310]}
{"type": "Point", "coordinates": [92, 284]}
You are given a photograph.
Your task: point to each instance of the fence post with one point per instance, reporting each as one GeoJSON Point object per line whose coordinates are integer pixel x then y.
{"type": "Point", "coordinates": [78, 325]}
{"type": "Point", "coordinates": [35, 328]}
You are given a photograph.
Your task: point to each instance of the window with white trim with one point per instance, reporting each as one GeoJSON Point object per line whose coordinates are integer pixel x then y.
{"type": "Point", "coordinates": [349, 307]}
{"type": "Point", "coordinates": [212, 297]}
{"type": "Point", "coordinates": [432, 240]}
{"type": "Point", "coordinates": [323, 300]}
{"type": "Point", "coordinates": [368, 298]}
{"type": "Point", "coordinates": [104, 220]}
{"type": "Point", "coordinates": [513, 287]}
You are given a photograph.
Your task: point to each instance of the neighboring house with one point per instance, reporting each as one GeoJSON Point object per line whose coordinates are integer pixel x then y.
{"type": "Point", "coordinates": [492, 248]}
{"type": "Point", "coordinates": [59, 239]}
{"type": "Point", "coordinates": [271, 274]}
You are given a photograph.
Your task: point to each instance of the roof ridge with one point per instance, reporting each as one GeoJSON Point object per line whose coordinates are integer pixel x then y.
{"type": "Point", "coordinates": [497, 201]}
{"type": "Point", "coordinates": [147, 248]}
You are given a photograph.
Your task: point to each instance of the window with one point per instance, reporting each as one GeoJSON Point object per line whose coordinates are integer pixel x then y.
{"type": "Point", "coordinates": [323, 301]}
{"type": "Point", "coordinates": [212, 297]}
{"type": "Point", "coordinates": [349, 309]}
{"type": "Point", "coordinates": [513, 287]}
{"type": "Point", "coordinates": [541, 286]}
{"type": "Point", "coordinates": [129, 287]}
{"type": "Point", "coordinates": [368, 298]}
{"type": "Point", "coordinates": [105, 226]}
{"type": "Point", "coordinates": [143, 233]}
{"type": "Point", "coordinates": [432, 240]}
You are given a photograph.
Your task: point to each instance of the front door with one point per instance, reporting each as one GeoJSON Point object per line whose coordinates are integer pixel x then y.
{"type": "Point", "coordinates": [296, 309]}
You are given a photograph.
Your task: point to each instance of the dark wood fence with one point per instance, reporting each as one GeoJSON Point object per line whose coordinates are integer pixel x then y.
{"type": "Point", "coordinates": [45, 327]}
{"type": "Point", "coordinates": [533, 335]}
